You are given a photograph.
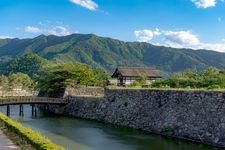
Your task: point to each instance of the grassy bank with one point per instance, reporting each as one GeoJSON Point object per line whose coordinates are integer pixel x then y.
{"type": "Point", "coordinates": [168, 89]}
{"type": "Point", "coordinates": [36, 140]}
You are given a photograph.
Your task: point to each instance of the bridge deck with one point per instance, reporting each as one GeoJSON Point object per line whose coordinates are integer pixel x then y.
{"type": "Point", "coordinates": [32, 100]}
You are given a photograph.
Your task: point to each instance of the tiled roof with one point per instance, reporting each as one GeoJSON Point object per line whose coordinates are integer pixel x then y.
{"type": "Point", "coordinates": [136, 72]}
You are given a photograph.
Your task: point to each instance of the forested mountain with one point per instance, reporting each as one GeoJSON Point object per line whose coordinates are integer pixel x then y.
{"type": "Point", "coordinates": [107, 53]}
{"type": "Point", "coordinates": [29, 63]}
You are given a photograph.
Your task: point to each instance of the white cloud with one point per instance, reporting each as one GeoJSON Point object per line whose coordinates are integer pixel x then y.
{"type": "Point", "coordinates": [204, 3]}
{"type": "Point", "coordinates": [5, 37]}
{"type": "Point", "coordinates": [220, 47]}
{"type": "Point", "coordinates": [58, 30]}
{"type": "Point", "coordinates": [32, 29]}
{"type": "Point", "coordinates": [89, 4]}
{"type": "Point", "coordinates": [146, 35]}
{"type": "Point", "coordinates": [176, 39]}
{"type": "Point", "coordinates": [181, 37]}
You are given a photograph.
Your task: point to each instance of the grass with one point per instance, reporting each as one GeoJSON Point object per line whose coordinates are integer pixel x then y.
{"type": "Point", "coordinates": [16, 139]}
{"type": "Point", "coordinates": [33, 138]}
{"type": "Point", "coordinates": [5, 97]}
{"type": "Point", "coordinates": [96, 95]}
{"type": "Point", "coordinates": [169, 89]}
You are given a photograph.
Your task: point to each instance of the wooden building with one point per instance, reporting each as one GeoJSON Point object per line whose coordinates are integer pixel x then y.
{"type": "Point", "coordinates": [127, 75]}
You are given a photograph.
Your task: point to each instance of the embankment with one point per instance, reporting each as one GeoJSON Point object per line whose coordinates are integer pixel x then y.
{"type": "Point", "coordinates": [29, 139]}
{"type": "Point", "coordinates": [194, 115]}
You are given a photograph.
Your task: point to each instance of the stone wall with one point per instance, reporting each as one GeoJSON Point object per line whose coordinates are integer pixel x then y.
{"type": "Point", "coordinates": [16, 93]}
{"type": "Point", "coordinates": [93, 91]}
{"type": "Point", "coordinates": [194, 115]}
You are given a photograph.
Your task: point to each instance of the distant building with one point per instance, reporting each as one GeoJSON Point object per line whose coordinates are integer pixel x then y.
{"type": "Point", "coordinates": [127, 75]}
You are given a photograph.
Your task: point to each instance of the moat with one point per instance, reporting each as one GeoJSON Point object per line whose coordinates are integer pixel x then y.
{"type": "Point", "coordinates": [81, 134]}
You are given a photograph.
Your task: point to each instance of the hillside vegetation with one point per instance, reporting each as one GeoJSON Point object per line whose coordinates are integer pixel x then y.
{"type": "Point", "coordinates": [29, 63]}
{"type": "Point", "coordinates": [57, 77]}
{"type": "Point", "coordinates": [107, 53]}
{"type": "Point", "coordinates": [211, 78]}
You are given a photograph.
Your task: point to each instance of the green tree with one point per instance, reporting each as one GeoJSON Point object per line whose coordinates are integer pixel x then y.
{"type": "Point", "coordinates": [59, 76]}
{"type": "Point", "coordinates": [20, 80]}
{"type": "Point", "coordinates": [211, 78]}
{"type": "Point", "coordinates": [102, 78]}
{"type": "Point", "coordinates": [4, 84]}
{"type": "Point", "coordinates": [29, 63]}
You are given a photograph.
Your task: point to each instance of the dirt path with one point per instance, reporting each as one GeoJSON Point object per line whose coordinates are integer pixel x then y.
{"type": "Point", "coordinates": [6, 143]}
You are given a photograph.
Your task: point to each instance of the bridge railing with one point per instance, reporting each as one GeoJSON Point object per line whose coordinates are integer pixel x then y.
{"type": "Point", "coordinates": [20, 100]}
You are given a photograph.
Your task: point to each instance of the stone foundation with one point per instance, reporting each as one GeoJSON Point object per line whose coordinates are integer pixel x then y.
{"type": "Point", "coordinates": [194, 115]}
{"type": "Point", "coordinates": [85, 91]}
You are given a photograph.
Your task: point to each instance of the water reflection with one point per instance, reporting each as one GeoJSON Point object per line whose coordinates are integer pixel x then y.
{"type": "Point", "coordinates": [90, 135]}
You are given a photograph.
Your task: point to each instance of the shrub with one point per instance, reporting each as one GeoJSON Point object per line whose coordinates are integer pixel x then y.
{"type": "Point", "coordinates": [134, 84]}
{"type": "Point", "coordinates": [211, 78]}
{"type": "Point", "coordinates": [35, 139]}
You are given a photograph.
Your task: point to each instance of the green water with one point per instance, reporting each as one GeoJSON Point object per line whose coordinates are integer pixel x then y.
{"type": "Point", "coordinates": [79, 134]}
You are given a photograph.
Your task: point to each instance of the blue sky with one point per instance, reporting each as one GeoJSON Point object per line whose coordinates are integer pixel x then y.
{"type": "Point", "coordinates": [177, 23]}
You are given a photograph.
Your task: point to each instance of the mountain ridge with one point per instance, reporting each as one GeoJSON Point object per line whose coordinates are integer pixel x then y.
{"type": "Point", "coordinates": [108, 53]}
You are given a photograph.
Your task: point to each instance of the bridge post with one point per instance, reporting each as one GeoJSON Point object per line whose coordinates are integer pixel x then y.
{"type": "Point", "coordinates": [21, 110]}
{"type": "Point", "coordinates": [8, 110]}
{"type": "Point", "coordinates": [34, 110]}
{"type": "Point", "coordinates": [32, 106]}
{"type": "Point", "coordinates": [46, 108]}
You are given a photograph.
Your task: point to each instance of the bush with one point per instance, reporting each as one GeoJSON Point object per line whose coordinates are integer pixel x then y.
{"type": "Point", "coordinates": [134, 84]}
{"type": "Point", "coordinates": [211, 78]}
{"type": "Point", "coordinates": [140, 82]}
{"type": "Point", "coordinates": [35, 139]}
{"type": "Point", "coordinates": [213, 87]}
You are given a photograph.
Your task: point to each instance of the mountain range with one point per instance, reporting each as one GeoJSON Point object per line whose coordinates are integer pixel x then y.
{"type": "Point", "coordinates": [107, 53]}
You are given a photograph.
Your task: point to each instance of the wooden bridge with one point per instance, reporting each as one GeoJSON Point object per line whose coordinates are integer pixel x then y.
{"type": "Point", "coordinates": [33, 101]}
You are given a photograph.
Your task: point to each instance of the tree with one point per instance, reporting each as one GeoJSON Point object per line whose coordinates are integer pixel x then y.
{"type": "Point", "coordinates": [4, 84]}
{"type": "Point", "coordinates": [20, 80]}
{"type": "Point", "coordinates": [102, 78]}
{"type": "Point", "coordinates": [59, 76]}
{"type": "Point", "coordinates": [29, 63]}
{"type": "Point", "coordinates": [211, 78]}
